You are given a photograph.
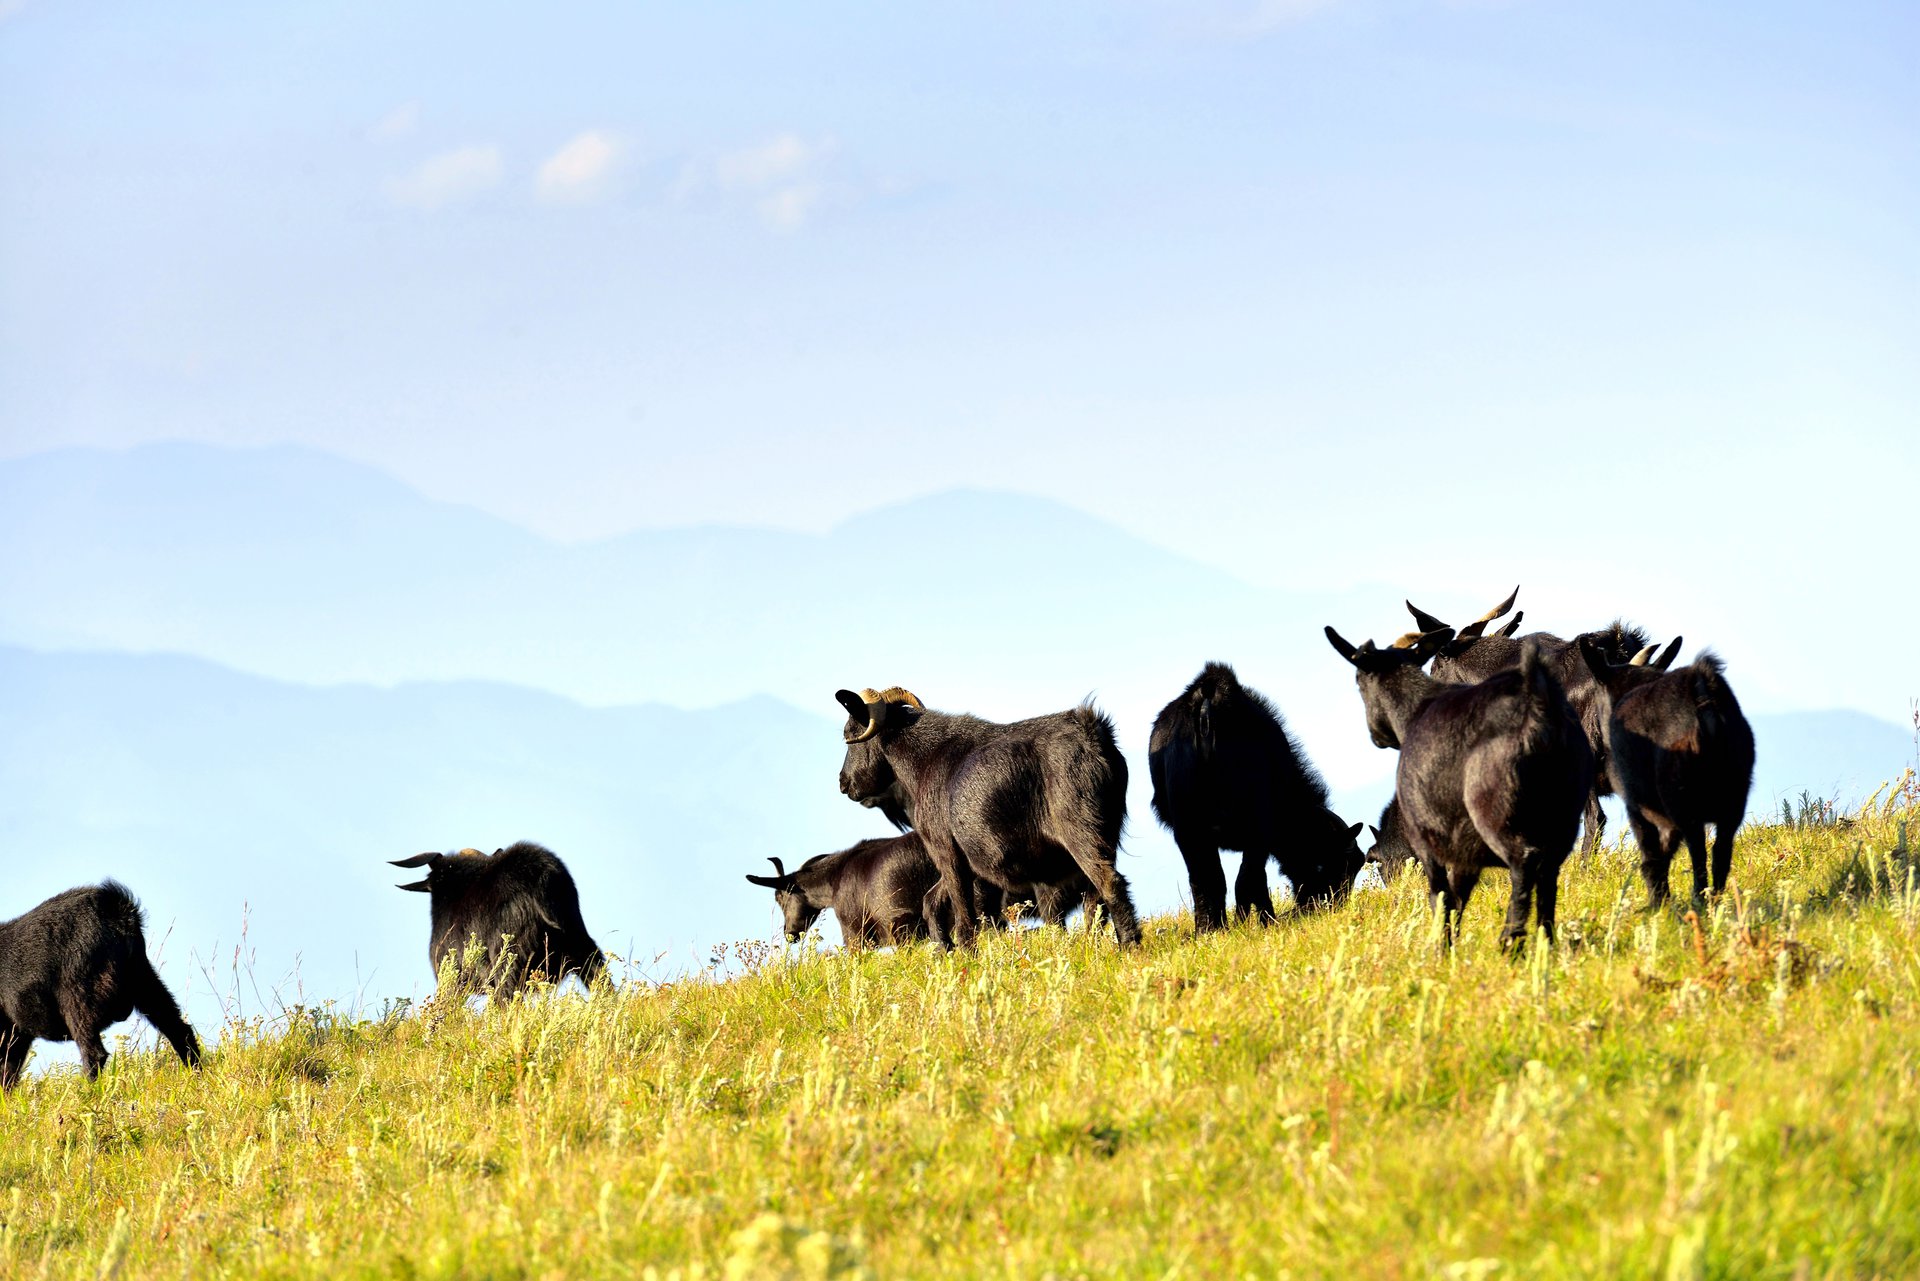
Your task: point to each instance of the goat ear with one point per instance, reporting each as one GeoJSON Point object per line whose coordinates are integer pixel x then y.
{"type": "Point", "coordinates": [1430, 643]}
{"type": "Point", "coordinates": [419, 887]}
{"type": "Point", "coordinates": [1512, 625]}
{"type": "Point", "coordinates": [418, 860]}
{"type": "Point", "coordinates": [1428, 623]}
{"type": "Point", "coordinates": [771, 882]}
{"type": "Point", "coordinates": [1665, 658]}
{"type": "Point", "coordinates": [1355, 829]}
{"type": "Point", "coordinates": [1597, 660]}
{"type": "Point", "coordinates": [856, 706]}
{"type": "Point", "coordinates": [1341, 647]}
{"type": "Point", "coordinates": [1374, 830]}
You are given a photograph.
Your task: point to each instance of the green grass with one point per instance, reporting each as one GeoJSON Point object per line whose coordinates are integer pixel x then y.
{"type": "Point", "coordinates": [1333, 1096]}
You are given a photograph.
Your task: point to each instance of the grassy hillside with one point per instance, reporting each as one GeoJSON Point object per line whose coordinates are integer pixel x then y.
{"type": "Point", "coordinates": [1331, 1097]}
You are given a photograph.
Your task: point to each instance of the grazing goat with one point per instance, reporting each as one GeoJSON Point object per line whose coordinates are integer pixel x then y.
{"type": "Point", "coordinates": [877, 889]}
{"type": "Point", "coordinates": [74, 966]}
{"type": "Point", "coordinates": [1682, 754]}
{"type": "Point", "coordinates": [518, 904]}
{"type": "Point", "coordinates": [1038, 802]}
{"type": "Point", "coordinates": [1490, 774]}
{"type": "Point", "coordinates": [1226, 775]}
{"type": "Point", "coordinates": [1391, 850]}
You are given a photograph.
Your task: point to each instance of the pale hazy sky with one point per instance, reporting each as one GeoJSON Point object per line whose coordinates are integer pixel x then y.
{"type": "Point", "coordinates": [1620, 297]}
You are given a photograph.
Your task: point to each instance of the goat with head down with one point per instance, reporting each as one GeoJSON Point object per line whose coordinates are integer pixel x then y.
{"type": "Point", "coordinates": [1491, 774]}
{"type": "Point", "coordinates": [74, 966]}
{"type": "Point", "coordinates": [1031, 803]}
{"type": "Point", "coordinates": [1227, 775]}
{"type": "Point", "coordinates": [518, 904]}
{"type": "Point", "coordinates": [1682, 756]}
{"type": "Point", "coordinates": [1391, 850]}
{"type": "Point", "coordinates": [876, 889]}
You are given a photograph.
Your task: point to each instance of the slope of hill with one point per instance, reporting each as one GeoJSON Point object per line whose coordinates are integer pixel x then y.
{"type": "Point", "coordinates": [1331, 1096]}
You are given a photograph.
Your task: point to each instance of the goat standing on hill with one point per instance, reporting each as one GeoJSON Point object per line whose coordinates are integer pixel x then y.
{"type": "Point", "coordinates": [1226, 775]}
{"type": "Point", "coordinates": [74, 966]}
{"type": "Point", "coordinates": [1492, 774]}
{"type": "Point", "coordinates": [1033, 803]}
{"type": "Point", "coordinates": [1470, 657]}
{"type": "Point", "coordinates": [1682, 755]}
{"type": "Point", "coordinates": [519, 904]}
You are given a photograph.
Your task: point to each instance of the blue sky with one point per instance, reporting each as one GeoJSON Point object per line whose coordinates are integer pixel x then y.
{"type": "Point", "coordinates": [1622, 300]}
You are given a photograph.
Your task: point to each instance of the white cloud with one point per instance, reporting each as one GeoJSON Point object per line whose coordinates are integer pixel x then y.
{"type": "Point", "coordinates": [787, 208]}
{"type": "Point", "coordinates": [786, 177]}
{"type": "Point", "coordinates": [578, 172]}
{"type": "Point", "coordinates": [398, 123]}
{"type": "Point", "coordinates": [755, 168]}
{"type": "Point", "coordinates": [449, 177]}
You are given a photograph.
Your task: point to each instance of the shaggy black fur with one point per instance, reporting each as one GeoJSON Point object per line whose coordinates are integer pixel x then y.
{"type": "Point", "coordinates": [1492, 774]}
{"type": "Point", "coordinates": [1471, 657]}
{"type": "Point", "coordinates": [74, 966]}
{"type": "Point", "coordinates": [877, 890]}
{"type": "Point", "coordinates": [519, 904]}
{"type": "Point", "coordinates": [1682, 757]}
{"type": "Point", "coordinates": [1391, 850]}
{"type": "Point", "coordinates": [1228, 776]}
{"type": "Point", "coordinates": [1033, 803]}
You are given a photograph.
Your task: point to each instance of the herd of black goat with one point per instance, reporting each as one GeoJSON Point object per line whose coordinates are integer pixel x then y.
{"type": "Point", "coordinates": [1506, 742]}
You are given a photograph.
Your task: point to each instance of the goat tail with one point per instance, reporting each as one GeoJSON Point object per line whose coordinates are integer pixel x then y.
{"type": "Point", "coordinates": [121, 909]}
{"type": "Point", "coordinates": [1713, 700]}
{"type": "Point", "coordinates": [1540, 694]}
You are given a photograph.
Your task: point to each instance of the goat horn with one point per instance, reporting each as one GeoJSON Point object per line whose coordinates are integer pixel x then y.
{"type": "Point", "coordinates": [1500, 609]}
{"type": "Point", "coordinates": [1409, 640]}
{"type": "Point", "coordinates": [876, 712]}
{"type": "Point", "coordinates": [1340, 645]}
{"type": "Point", "coordinates": [1644, 657]}
{"type": "Point", "coordinates": [778, 870]}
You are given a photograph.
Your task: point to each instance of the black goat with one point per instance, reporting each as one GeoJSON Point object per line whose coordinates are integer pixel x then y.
{"type": "Point", "coordinates": [1490, 774]}
{"type": "Point", "coordinates": [1052, 904]}
{"type": "Point", "coordinates": [518, 904]}
{"type": "Point", "coordinates": [1034, 803]}
{"type": "Point", "coordinates": [1471, 657]}
{"type": "Point", "coordinates": [74, 966]}
{"type": "Point", "coordinates": [1227, 775]}
{"type": "Point", "coordinates": [876, 888]}
{"type": "Point", "coordinates": [1391, 850]}
{"type": "Point", "coordinates": [1682, 757]}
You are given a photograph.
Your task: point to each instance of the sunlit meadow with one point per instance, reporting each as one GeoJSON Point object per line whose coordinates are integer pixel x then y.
{"type": "Point", "coordinates": [1731, 1095]}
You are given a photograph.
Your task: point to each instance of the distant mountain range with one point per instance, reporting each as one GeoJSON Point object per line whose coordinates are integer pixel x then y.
{"type": "Point", "coordinates": [293, 564]}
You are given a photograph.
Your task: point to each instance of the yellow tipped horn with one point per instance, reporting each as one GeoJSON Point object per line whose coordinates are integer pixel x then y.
{"type": "Point", "coordinates": [1407, 641]}
{"type": "Point", "coordinates": [896, 694]}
